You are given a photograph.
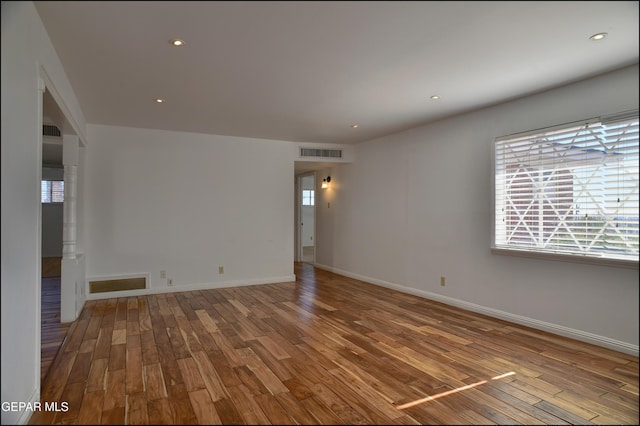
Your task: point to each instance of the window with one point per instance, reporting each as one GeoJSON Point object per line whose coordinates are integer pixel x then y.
{"type": "Point", "coordinates": [52, 191]}
{"type": "Point", "coordinates": [570, 190]}
{"type": "Point", "coordinates": [307, 197]}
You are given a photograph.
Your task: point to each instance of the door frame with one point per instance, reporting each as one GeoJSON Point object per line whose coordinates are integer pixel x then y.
{"type": "Point", "coordinates": [72, 297]}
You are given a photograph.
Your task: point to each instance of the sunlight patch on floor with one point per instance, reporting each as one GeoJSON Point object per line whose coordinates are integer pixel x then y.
{"type": "Point", "coordinates": [452, 391]}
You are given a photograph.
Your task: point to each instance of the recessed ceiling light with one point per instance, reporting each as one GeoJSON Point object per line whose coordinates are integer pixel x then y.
{"type": "Point", "coordinates": [355, 126]}
{"type": "Point", "coordinates": [435, 97]}
{"type": "Point", "coordinates": [177, 42]}
{"type": "Point", "coordinates": [598, 36]}
{"type": "Point", "coordinates": [159, 100]}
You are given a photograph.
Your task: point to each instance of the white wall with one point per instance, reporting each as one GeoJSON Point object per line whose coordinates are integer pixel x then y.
{"type": "Point", "coordinates": [25, 48]}
{"type": "Point", "coordinates": [186, 204]}
{"type": "Point", "coordinates": [52, 229]}
{"type": "Point", "coordinates": [417, 206]}
{"type": "Point", "coordinates": [52, 173]}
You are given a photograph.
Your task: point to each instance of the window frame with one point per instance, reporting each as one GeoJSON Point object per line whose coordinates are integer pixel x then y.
{"type": "Point", "coordinates": [310, 198]}
{"type": "Point", "coordinates": [51, 191]}
{"type": "Point", "coordinates": [532, 252]}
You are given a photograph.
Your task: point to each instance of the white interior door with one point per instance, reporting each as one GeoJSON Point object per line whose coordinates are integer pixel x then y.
{"type": "Point", "coordinates": [307, 218]}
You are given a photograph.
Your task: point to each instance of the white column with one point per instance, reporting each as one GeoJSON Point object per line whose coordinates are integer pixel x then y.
{"type": "Point", "coordinates": [70, 162]}
{"type": "Point", "coordinates": [71, 263]}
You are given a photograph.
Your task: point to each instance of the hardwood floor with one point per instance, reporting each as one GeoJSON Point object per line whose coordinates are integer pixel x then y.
{"type": "Point", "coordinates": [325, 350]}
{"type": "Point", "coordinates": [53, 332]}
{"type": "Point", "coordinates": [51, 267]}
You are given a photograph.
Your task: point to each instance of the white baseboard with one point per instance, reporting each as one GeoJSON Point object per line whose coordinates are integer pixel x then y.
{"type": "Point", "coordinates": [189, 287]}
{"type": "Point", "coordinates": [25, 415]}
{"type": "Point", "coordinates": [583, 336]}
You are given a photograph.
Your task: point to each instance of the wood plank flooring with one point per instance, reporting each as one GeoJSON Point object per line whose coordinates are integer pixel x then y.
{"type": "Point", "coordinates": [53, 332]}
{"type": "Point", "coordinates": [325, 350]}
{"type": "Point", "coordinates": [51, 267]}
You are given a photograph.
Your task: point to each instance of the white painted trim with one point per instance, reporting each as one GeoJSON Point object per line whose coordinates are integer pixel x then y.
{"type": "Point", "coordinates": [62, 105]}
{"type": "Point", "coordinates": [562, 257]}
{"type": "Point", "coordinates": [38, 302]}
{"type": "Point", "coordinates": [188, 287]}
{"type": "Point", "coordinates": [82, 297]}
{"type": "Point", "coordinates": [25, 416]}
{"type": "Point", "coordinates": [583, 336]}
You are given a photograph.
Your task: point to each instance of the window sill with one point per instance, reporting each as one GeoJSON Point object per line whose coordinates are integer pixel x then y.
{"type": "Point", "coordinates": [617, 263]}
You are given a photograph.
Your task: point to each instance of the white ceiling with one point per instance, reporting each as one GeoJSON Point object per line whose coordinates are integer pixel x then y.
{"type": "Point", "coordinates": [305, 71]}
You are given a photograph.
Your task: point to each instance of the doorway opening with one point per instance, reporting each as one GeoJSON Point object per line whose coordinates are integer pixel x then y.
{"type": "Point", "coordinates": [52, 330]}
{"type": "Point", "coordinates": [58, 302]}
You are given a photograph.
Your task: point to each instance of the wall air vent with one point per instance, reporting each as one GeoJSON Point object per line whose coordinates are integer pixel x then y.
{"type": "Point", "coordinates": [50, 130]}
{"type": "Point", "coordinates": [123, 284]}
{"type": "Point", "coordinates": [320, 153]}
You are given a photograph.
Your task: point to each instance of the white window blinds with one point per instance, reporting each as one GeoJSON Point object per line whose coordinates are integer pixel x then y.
{"type": "Point", "coordinates": [52, 191]}
{"type": "Point", "coordinates": [570, 190]}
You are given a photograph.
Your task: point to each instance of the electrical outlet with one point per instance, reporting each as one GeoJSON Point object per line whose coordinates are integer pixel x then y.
{"type": "Point", "coordinates": [221, 270]}
{"type": "Point", "coordinates": [442, 281]}
{"type": "Point", "coordinates": [170, 282]}
{"type": "Point", "coordinates": [163, 274]}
